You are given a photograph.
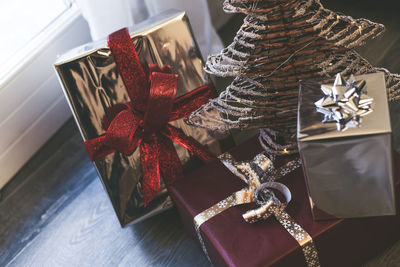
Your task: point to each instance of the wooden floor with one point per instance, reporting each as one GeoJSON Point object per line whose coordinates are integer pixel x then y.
{"type": "Point", "coordinates": [56, 212]}
{"type": "Point", "coordinates": [61, 216]}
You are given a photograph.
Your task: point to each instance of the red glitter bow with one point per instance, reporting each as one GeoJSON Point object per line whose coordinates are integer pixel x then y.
{"type": "Point", "coordinates": [143, 122]}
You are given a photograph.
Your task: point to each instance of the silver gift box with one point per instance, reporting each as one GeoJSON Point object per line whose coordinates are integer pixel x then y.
{"type": "Point", "coordinates": [349, 173]}
{"type": "Point", "coordinates": [92, 86]}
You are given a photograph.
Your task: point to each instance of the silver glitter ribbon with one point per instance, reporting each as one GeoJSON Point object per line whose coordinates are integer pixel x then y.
{"type": "Point", "coordinates": [260, 175]}
{"type": "Point", "coordinates": [344, 103]}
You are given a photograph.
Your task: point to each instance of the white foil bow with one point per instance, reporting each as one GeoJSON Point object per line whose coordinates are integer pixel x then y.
{"type": "Point", "coordinates": [344, 102]}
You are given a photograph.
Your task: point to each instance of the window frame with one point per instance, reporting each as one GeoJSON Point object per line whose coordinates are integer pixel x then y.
{"type": "Point", "coordinates": [32, 103]}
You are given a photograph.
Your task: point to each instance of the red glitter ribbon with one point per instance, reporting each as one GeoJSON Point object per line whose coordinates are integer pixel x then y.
{"type": "Point", "coordinates": [143, 122]}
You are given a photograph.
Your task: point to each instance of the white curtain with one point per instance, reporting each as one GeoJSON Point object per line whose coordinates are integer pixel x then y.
{"type": "Point", "coordinates": [106, 16]}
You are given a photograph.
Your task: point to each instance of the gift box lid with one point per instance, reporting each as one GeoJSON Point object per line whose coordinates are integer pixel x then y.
{"type": "Point", "coordinates": [140, 29]}
{"type": "Point", "coordinates": [310, 121]}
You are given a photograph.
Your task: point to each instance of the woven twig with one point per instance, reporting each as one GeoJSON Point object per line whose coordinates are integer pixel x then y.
{"type": "Point", "coordinates": [279, 43]}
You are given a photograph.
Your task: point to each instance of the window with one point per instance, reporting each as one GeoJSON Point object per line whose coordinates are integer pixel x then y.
{"type": "Point", "coordinates": [21, 22]}
{"type": "Point", "coordinates": [32, 106]}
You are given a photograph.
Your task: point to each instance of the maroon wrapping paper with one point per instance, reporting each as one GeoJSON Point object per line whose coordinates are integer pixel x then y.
{"type": "Point", "coordinates": [230, 241]}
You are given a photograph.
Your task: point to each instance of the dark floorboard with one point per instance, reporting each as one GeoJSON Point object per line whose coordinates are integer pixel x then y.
{"type": "Point", "coordinates": [61, 216]}
{"type": "Point", "coordinates": [48, 189]}
{"type": "Point", "coordinates": [56, 213]}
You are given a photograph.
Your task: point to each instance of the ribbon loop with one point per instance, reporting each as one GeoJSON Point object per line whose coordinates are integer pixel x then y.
{"type": "Point", "coordinates": [188, 142]}
{"type": "Point", "coordinates": [120, 133]}
{"type": "Point", "coordinates": [161, 98]}
{"type": "Point", "coordinates": [268, 202]}
{"type": "Point", "coordinates": [265, 187]}
{"type": "Point", "coordinates": [184, 105]}
{"type": "Point", "coordinates": [129, 67]}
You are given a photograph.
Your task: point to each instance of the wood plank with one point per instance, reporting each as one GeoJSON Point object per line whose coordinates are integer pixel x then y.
{"type": "Point", "coordinates": [390, 257]}
{"type": "Point", "coordinates": [87, 233]}
{"type": "Point", "coordinates": [47, 188]}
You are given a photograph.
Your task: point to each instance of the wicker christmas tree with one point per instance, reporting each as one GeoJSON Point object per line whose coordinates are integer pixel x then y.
{"type": "Point", "coordinates": [280, 43]}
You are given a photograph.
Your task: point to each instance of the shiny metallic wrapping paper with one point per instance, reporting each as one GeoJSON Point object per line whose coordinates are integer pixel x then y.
{"type": "Point", "coordinates": [349, 173]}
{"type": "Point", "coordinates": [92, 85]}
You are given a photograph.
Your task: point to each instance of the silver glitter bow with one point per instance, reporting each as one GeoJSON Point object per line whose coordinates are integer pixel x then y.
{"type": "Point", "coordinates": [344, 103]}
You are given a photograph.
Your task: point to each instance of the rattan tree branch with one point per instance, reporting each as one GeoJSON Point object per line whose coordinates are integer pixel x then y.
{"type": "Point", "coordinates": [280, 43]}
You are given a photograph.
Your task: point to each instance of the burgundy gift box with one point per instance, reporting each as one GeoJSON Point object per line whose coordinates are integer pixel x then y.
{"type": "Point", "coordinates": [230, 241]}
